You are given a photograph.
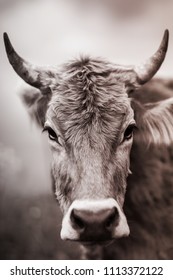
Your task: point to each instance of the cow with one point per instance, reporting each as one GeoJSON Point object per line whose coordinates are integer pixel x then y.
{"type": "Point", "coordinates": [110, 130]}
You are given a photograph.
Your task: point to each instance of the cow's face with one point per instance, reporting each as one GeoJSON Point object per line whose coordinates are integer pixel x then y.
{"type": "Point", "coordinates": [90, 121]}
{"type": "Point", "coordinates": [90, 124]}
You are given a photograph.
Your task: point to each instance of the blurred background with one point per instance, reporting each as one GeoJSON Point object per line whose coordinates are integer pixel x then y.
{"type": "Point", "coordinates": [51, 32]}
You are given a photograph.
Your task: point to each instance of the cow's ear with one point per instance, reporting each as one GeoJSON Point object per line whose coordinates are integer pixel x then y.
{"type": "Point", "coordinates": [154, 121]}
{"type": "Point", "coordinates": [36, 103]}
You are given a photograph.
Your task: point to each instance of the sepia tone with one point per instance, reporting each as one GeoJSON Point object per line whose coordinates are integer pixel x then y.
{"type": "Point", "coordinates": [110, 136]}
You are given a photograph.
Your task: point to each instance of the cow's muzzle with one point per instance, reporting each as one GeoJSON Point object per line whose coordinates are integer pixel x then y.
{"type": "Point", "coordinates": [94, 221]}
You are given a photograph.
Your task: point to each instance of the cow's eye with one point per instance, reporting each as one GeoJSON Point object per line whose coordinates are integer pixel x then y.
{"type": "Point", "coordinates": [129, 132]}
{"type": "Point", "coordinates": [52, 135]}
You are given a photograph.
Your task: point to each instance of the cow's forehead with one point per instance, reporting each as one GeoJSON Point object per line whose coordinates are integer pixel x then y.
{"type": "Point", "coordinates": [89, 96]}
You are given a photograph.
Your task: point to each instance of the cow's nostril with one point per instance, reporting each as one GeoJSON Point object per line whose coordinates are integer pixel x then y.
{"type": "Point", "coordinates": [86, 220]}
{"type": "Point", "coordinates": [112, 218]}
{"type": "Point", "coordinates": [76, 220]}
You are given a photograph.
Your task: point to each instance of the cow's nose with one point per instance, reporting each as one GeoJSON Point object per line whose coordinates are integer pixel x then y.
{"type": "Point", "coordinates": [95, 226]}
{"type": "Point", "coordinates": [94, 221]}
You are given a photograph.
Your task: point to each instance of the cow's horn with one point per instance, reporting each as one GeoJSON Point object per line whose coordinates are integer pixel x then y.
{"type": "Point", "coordinates": [28, 72]}
{"type": "Point", "coordinates": [146, 70]}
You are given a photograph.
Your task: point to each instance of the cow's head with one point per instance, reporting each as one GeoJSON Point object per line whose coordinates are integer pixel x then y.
{"type": "Point", "coordinates": [86, 109]}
